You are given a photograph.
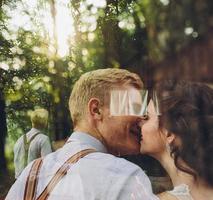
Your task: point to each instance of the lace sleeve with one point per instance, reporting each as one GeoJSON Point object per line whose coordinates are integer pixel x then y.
{"type": "Point", "coordinates": [181, 192]}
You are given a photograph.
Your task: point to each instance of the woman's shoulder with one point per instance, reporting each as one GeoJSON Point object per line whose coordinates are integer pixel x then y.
{"type": "Point", "coordinates": [180, 192]}
{"type": "Point", "coordinates": [166, 196]}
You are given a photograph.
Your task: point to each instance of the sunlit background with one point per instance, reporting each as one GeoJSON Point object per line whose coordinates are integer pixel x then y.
{"type": "Point", "coordinates": [21, 17]}
{"type": "Point", "coordinates": [28, 13]}
{"type": "Point", "coordinates": [46, 45]}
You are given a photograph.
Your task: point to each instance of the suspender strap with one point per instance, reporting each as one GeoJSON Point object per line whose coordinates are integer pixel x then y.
{"type": "Point", "coordinates": [27, 145]}
{"type": "Point", "coordinates": [62, 171]}
{"type": "Point", "coordinates": [31, 182]}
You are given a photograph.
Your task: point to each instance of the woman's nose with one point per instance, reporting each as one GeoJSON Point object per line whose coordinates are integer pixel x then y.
{"type": "Point", "coordinates": [142, 120]}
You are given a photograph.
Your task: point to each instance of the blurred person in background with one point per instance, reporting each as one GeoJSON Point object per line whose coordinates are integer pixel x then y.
{"type": "Point", "coordinates": [33, 144]}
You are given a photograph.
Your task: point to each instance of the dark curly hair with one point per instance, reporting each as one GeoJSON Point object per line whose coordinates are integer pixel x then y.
{"type": "Point", "coordinates": [187, 111]}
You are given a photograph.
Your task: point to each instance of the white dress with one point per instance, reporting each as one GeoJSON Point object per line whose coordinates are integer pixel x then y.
{"type": "Point", "coordinates": [181, 192]}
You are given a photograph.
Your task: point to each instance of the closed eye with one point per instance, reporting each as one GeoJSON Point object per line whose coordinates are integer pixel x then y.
{"type": "Point", "coordinates": [145, 117]}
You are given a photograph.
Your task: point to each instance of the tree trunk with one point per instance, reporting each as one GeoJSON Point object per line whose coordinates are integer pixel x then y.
{"type": "Point", "coordinates": [77, 50]}
{"type": "Point", "coordinates": [111, 36]}
{"type": "Point", "coordinates": [3, 133]}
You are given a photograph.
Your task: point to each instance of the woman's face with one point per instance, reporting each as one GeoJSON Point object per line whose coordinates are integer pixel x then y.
{"type": "Point", "coordinates": [153, 139]}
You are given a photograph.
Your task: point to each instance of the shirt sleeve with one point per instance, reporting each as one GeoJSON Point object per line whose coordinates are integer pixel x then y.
{"type": "Point", "coordinates": [137, 187]}
{"type": "Point", "coordinates": [46, 147]}
{"type": "Point", "coordinates": [16, 192]}
{"type": "Point", "coordinates": [131, 183]}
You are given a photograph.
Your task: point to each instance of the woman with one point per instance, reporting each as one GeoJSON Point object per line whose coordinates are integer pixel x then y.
{"type": "Point", "coordinates": [181, 138]}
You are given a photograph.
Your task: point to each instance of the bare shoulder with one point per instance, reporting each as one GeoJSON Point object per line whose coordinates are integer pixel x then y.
{"type": "Point", "coordinates": [166, 196]}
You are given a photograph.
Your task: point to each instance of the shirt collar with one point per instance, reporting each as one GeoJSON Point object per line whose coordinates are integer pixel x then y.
{"type": "Point", "coordinates": [32, 132]}
{"type": "Point", "coordinates": [88, 139]}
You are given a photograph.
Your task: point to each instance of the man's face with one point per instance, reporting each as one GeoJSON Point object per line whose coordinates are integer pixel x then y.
{"type": "Point", "coordinates": [121, 133]}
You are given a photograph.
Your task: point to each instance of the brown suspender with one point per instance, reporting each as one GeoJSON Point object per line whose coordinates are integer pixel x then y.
{"type": "Point", "coordinates": [27, 146]}
{"type": "Point", "coordinates": [32, 179]}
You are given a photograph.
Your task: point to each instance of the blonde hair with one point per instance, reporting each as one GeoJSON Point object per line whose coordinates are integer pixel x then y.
{"type": "Point", "coordinates": [97, 84]}
{"type": "Point", "coordinates": [39, 118]}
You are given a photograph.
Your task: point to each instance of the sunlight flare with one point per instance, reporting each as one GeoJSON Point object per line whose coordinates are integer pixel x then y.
{"type": "Point", "coordinates": [31, 20]}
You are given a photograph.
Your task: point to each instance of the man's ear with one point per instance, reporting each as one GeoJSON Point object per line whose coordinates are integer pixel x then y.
{"type": "Point", "coordinates": [94, 108]}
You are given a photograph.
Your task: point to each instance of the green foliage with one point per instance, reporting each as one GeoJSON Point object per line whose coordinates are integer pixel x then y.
{"type": "Point", "coordinates": [18, 124]}
{"type": "Point", "coordinates": [108, 34]}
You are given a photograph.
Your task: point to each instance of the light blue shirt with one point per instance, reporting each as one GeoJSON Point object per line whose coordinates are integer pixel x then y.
{"type": "Point", "coordinates": [39, 147]}
{"type": "Point", "coordinates": [97, 176]}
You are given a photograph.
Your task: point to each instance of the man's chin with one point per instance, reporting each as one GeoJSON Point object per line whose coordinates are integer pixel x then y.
{"type": "Point", "coordinates": [124, 149]}
{"type": "Point", "coordinates": [132, 151]}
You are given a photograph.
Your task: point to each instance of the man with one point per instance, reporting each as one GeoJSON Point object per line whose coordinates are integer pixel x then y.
{"type": "Point", "coordinates": [98, 175]}
{"type": "Point", "coordinates": [34, 143]}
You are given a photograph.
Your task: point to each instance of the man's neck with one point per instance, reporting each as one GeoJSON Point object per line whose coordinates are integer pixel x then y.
{"type": "Point", "coordinates": [38, 128]}
{"type": "Point", "coordinates": [94, 132]}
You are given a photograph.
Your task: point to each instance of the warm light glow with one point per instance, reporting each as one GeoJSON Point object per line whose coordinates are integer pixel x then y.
{"type": "Point", "coordinates": [164, 2]}
{"type": "Point", "coordinates": [4, 66]}
{"type": "Point", "coordinates": [64, 26]}
{"type": "Point", "coordinates": [97, 3]}
{"type": "Point", "coordinates": [64, 29]}
{"type": "Point", "coordinates": [188, 30]}
{"type": "Point", "coordinates": [64, 21]}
